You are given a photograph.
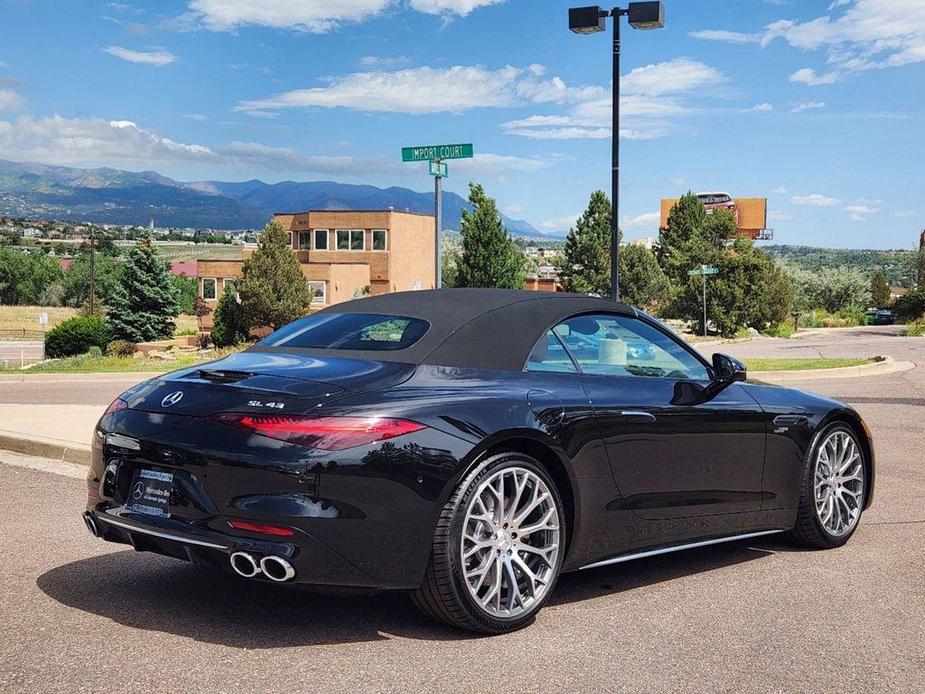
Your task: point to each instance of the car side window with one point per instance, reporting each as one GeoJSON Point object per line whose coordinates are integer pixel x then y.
{"type": "Point", "coordinates": [549, 355]}
{"type": "Point", "coordinates": [612, 345]}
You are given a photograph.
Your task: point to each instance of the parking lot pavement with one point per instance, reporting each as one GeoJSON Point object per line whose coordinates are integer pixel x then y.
{"type": "Point", "coordinates": [77, 613]}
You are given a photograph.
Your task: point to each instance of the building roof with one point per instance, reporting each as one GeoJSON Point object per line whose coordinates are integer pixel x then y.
{"type": "Point", "coordinates": [470, 328]}
{"type": "Point", "coordinates": [379, 211]}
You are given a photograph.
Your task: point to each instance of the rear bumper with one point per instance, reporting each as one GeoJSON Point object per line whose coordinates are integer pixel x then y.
{"type": "Point", "coordinates": [363, 517]}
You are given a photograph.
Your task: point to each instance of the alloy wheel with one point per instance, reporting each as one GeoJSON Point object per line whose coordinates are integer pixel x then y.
{"type": "Point", "coordinates": [510, 542]}
{"type": "Point", "coordinates": [838, 483]}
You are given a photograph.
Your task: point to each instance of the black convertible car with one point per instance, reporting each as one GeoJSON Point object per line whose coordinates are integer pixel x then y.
{"type": "Point", "coordinates": [468, 446]}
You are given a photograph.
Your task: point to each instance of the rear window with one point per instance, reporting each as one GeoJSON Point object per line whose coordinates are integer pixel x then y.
{"type": "Point", "coordinates": [350, 331]}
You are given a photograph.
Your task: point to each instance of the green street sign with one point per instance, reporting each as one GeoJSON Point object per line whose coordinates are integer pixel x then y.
{"type": "Point", "coordinates": [439, 168]}
{"type": "Point", "coordinates": [703, 271]}
{"type": "Point", "coordinates": [436, 152]}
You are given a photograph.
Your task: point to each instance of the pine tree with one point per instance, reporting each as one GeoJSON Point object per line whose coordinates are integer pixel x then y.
{"type": "Point", "coordinates": [142, 307]}
{"type": "Point", "coordinates": [273, 289]}
{"type": "Point", "coordinates": [229, 326]}
{"type": "Point", "coordinates": [489, 258]}
{"type": "Point", "coordinates": [642, 281]}
{"type": "Point", "coordinates": [584, 266]}
{"type": "Point", "coordinates": [879, 290]}
{"type": "Point", "coordinates": [686, 223]}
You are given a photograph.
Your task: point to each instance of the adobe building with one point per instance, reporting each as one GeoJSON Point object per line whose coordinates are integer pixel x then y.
{"type": "Point", "coordinates": [342, 253]}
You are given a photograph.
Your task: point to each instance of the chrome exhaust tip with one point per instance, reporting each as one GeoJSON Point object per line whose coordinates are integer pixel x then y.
{"type": "Point", "coordinates": [277, 569]}
{"type": "Point", "coordinates": [244, 564]}
{"type": "Point", "coordinates": [91, 524]}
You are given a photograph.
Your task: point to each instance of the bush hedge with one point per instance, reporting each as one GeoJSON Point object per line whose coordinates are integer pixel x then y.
{"type": "Point", "coordinates": [76, 336]}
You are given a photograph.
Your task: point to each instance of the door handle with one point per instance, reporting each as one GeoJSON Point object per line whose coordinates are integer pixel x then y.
{"type": "Point", "coordinates": [638, 415]}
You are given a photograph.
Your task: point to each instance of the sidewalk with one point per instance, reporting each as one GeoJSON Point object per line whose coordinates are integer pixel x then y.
{"type": "Point", "coordinates": [61, 432]}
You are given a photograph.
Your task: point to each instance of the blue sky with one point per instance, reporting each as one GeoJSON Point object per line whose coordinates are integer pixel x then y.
{"type": "Point", "coordinates": [815, 104]}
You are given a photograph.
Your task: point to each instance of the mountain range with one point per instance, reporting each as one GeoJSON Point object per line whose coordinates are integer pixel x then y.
{"type": "Point", "coordinates": [113, 196]}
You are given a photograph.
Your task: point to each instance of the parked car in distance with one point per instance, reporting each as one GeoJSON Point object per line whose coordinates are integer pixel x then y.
{"type": "Point", "coordinates": [468, 446]}
{"type": "Point", "coordinates": [882, 316]}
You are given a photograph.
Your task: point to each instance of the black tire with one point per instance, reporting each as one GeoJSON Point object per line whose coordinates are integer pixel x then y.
{"type": "Point", "coordinates": [808, 530]}
{"type": "Point", "coordinates": [443, 595]}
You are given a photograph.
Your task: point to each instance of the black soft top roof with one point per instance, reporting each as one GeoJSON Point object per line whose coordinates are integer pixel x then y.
{"type": "Point", "coordinates": [471, 328]}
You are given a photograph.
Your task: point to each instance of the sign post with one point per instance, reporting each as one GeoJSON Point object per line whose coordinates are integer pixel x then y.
{"type": "Point", "coordinates": [703, 271]}
{"type": "Point", "coordinates": [43, 321]}
{"type": "Point", "coordinates": [434, 155]}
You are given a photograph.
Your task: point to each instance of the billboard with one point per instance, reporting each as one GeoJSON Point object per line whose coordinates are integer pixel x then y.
{"type": "Point", "coordinates": [751, 214]}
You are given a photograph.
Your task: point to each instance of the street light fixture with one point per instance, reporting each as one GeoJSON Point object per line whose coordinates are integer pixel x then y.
{"type": "Point", "coordinates": [590, 20]}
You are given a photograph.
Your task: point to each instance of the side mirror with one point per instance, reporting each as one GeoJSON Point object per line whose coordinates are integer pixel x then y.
{"type": "Point", "coordinates": [728, 369]}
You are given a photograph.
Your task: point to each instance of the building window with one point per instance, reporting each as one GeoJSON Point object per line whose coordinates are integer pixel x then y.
{"type": "Point", "coordinates": [304, 237]}
{"type": "Point", "coordinates": [351, 240]}
{"type": "Point", "coordinates": [209, 285]}
{"type": "Point", "coordinates": [319, 291]}
{"type": "Point", "coordinates": [380, 240]}
{"type": "Point", "coordinates": [321, 239]}
{"type": "Point", "coordinates": [230, 283]}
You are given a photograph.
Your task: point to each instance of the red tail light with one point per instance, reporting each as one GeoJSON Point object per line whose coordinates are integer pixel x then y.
{"type": "Point", "coordinates": [116, 405]}
{"type": "Point", "coordinates": [326, 433]}
{"type": "Point", "coordinates": [263, 529]}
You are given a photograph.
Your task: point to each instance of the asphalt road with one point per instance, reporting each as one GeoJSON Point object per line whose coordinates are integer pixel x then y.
{"type": "Point", "coordinates": [78, 614]}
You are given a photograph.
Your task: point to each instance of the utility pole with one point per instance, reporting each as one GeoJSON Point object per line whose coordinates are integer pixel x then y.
{"type": "Point", "coordinates": [92, 269]}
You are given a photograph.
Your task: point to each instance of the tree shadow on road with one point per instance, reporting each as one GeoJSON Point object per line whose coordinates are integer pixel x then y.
{"type": "Point", "coordinates": [205, 604]}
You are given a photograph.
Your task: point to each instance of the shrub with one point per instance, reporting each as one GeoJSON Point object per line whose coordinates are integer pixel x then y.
{"type": "Point", "coordinates": [120, 348]}
{"type": "Point", "coordinates": [94, 351]}
{"type": "Point", "coordinates": [76, 336]}
{"type": "Point", "coordinates": [917, 328]}
{"type": "Point", "coordinates": [230, 326]}
{"type": "Point", "coordinates": [911, 305]}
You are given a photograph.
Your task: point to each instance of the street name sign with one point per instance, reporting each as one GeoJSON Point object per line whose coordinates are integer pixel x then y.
{"type": "Point", "coordinates": [437, 152]}
{"type": "Point", "coordinates": [704, 271]}
{"type": "Point", "coordinates": [439, 168]}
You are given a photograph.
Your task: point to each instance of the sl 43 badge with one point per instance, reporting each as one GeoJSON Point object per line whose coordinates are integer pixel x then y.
{"type": "Point", "coordinates": [272, 405]}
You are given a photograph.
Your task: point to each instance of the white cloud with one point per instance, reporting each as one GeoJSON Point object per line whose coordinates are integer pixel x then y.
{"type": "Point", "coordinates": [158, 58]}
{"type": "Point", "coordinates": [727, 36]}
{"type": "Point", "coordinates": [647, 219]}
{"type": "Point", "coordinates": [814, 199]}
{"type": "Point", "coordinates": [379, 61]}
{"type": "Point", "coordinates": [807, 105]}
{"type": "Point", "coordinates": [652, 97]}
{"type": "Point", "coordinates": [905, 213]}
{"type": "Point", "coordinates": [758, 108]}
{"type": "Point", "coordinates": [100, 142]}
{"type": "Point", "coordinates": [428, 90]}
{"type": "Point", "coordinates": [780, 217]}
{"type": "Point", "coordinates": [809, 77]}
{"type": "Point", "coordinates": [196, 117]}
{"type": "Point", "coordinates": [561, 223]}
{"type": "Point", "coordinates": [515, 208]}
{"type": "Point", "coordinates": [859, 213]}
{"type": "Point", "coordinates": [780, 190]}
{"type": "Point", "coordinates": [312, 16]}
{"type": "Point", "coordinates": [10, 100]}
{"type": "Point", "coordinates": [856, 35]}
{"type": "Point", "coordinates": [457, 7]}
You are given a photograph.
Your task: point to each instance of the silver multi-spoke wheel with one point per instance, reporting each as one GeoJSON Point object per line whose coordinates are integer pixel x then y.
{"type": "Point", "coordinates": [838, 483]}
{"type": "Point", "coordinates": [510, 542]}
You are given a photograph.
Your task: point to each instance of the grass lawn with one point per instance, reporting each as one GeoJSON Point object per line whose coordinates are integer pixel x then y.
{"type": "Point", "coordinates": [802, 364]}
{"type": "Point", "coordinates": [87, 364]}
{"type": "Point", "coordinates": [15, 319]}
{"type": "Point", "coordinates": [19, 318]}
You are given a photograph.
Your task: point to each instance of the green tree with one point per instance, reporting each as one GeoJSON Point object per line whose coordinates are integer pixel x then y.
{"type": "Point", "coordinates": [490, 257]}
{"type": "Point", "coordinates": [642, 282]}
{"type": "Point", "coordinates": [832, 289]}
{"type": "Point", "coordinates": [911, 305]}
{"type": "Point", "coordinates": [273, 289]}
{"type": "Point", "coordinates": [719, 227]}
{"type": "Point", "coordinates": [25, 277]}
{"type": "Point", "coordinates": [107, 276]}
{"type": "Point", "coordinates": [879, 290]}
{"type": "Point", "coordinates": [143, 307]}
{"type": "Point", "coordinates": [584, 266]}
{"type": "Point", "coordinates": [187, 290]}
{"type": "Point", "coordinates": [230, 325]}
{"type": "Point", "coordinates": [449, 264]}
{"type": "Point", "coordinates": [749, 291]}
{"type": "Point", "coordinates": [686, 223]}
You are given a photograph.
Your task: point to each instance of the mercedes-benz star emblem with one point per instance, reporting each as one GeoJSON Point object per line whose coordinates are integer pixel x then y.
{"type": "Point", "coordinates": [172, 398]}
{"type": "Point", "coordinates": [138, 490]}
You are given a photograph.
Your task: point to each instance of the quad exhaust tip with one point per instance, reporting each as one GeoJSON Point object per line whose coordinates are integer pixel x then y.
{"type": "Point", "coordinates": [273, 567]}
{"type": "Point", "coordinates": [91, 524]}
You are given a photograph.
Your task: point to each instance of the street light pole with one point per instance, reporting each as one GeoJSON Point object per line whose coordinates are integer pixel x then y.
{"type": "Point", "coordinates": [590, 20]}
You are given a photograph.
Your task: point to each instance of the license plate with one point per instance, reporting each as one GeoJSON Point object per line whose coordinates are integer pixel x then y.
{"type": "Point", "coordinates": [150, 493]}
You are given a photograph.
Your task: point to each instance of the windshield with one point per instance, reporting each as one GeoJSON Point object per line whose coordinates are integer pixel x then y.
{"type": "Point", "coordinates": [350, 331]}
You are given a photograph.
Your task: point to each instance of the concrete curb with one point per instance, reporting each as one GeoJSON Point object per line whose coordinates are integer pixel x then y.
{"type": "Point", "coordinates": [68, 453]}
{"type": "Point", "coordinates": [111, 376]}
{"type": "Point", "coordinates": [887, 366]}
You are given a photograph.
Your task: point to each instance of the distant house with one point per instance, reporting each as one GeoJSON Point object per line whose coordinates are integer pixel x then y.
{"type": "Point", "coordinates": [188, 269]}
{"type": "Point", "coordinates": [896, 292]}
